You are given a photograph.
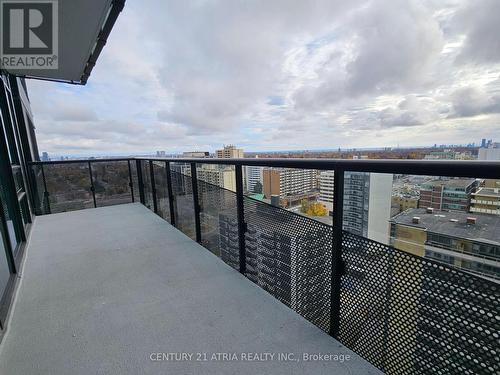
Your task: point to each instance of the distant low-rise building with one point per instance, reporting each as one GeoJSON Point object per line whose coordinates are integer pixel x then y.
{"type": "Point", "coordinates": [403, 203]}
{"type": "Point", "coordinates": [464, 240]}
{"type": "Point", "coordinates": [449, 155]}
{"type": "Point", "coordinates": [492, 152]}
{"type": "Point", "coordinates": [453, 194]}
{"type": "Point", "coordinates": [196, 154]}
{"type": "Point", "coordinates": [486, 201]}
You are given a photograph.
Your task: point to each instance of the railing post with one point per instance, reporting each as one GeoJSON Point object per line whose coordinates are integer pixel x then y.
{"type": "Point", "coordinates": [92, 187]}
{"type": "Point", "coordinates": [338, 265]}
{"type": "Point", "coordinates": [196, 201]}
{"type": "Point", "coordinates": [130, 181]}
{"type": "Point", "coordinates": [153, 186]}
{"type": "Point", "coordinates": [241, 217]}
{"type": "Point", "coordinates": [46, 194]}
{"type": "Point", "coordinates": [140, 181]}
{"type": "Point", "coordinates": [170, 194]}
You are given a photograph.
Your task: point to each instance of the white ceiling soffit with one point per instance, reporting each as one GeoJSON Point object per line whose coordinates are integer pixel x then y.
{"type": "Point", "coordinates": [55, 39]}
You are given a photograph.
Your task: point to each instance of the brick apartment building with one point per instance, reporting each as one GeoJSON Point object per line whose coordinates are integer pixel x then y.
{"type": "Point", "coordinates": [454, 194]}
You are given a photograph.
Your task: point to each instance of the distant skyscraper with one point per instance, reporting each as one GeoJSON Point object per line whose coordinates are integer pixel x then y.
{"type": "Point", "coordinates": [483, 142]}
{"type": "Point", "coordinates": [160, 154]}
{"type": "Point", "coordinates": [45, 156]}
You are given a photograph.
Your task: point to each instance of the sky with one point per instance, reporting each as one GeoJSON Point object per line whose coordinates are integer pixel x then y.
{"type": "Point", "coordinates": [282, 75]}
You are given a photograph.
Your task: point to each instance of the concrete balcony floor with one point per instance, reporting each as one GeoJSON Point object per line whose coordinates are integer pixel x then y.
{"type": "Point", "coordinates": [102, 289]}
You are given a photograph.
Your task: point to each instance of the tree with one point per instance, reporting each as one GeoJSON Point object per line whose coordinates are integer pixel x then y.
{"type": "Point", "coordinates": [313, 208]}
{"type": "Point", "coordinates": [257, 188]}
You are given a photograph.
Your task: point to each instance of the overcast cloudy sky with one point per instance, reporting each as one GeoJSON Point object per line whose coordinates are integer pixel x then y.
{"type": "Point", "coordinates": [282, 74]}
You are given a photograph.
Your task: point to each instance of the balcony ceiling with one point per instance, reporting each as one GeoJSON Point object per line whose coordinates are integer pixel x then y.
{"type": "Point", "coordinates": [79, 29]}
{"type": "Point", "coordinates": [104, 288]}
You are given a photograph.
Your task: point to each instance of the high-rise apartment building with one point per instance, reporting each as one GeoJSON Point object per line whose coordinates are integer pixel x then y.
{"type": "Point", "coordinates": [218, 176]}
{"type": "Point", "coordinates": [451, 194]}
{"type": "Point", "coordinates": [229, 152]}
{"type": "Point", "coordinates": [367, 204]}
{"type": "Point", "coordinates": [326, 189]}
{"type": "Point", "coordinates": [275, 258]}
{"type": "Point", "coordinates": [290, 184]}
{"type": "Point", "coordinates": [254, 175]}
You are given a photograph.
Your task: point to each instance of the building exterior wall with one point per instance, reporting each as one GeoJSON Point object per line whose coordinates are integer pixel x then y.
{"type": "Point", "coordinates": [367, 204]}
{"type": "Point", "coordinates": [447, 195]}
{"type": "Point", "coordinates": [404, 203]}
{"type": "Point", "coordinates": [486, 201]}
{"type": "Point", "coordinates": [286, 182]}
{"type": "Point", "coordinates": [254, 175]}
{"type": "Point", "coordinates": [379, 206]}
{"type": "Point", "coordinates": [229, 152]}
{"type": "Point", "coordinates": [490, 153]}
{"type": "Point", "coordinates": [472, 254]}
{"type": "Point", "coordinates": [409, 239]}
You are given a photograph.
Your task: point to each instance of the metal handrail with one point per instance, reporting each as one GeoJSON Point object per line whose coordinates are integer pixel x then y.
{"type": "Point", "coordinates": [448, 168]}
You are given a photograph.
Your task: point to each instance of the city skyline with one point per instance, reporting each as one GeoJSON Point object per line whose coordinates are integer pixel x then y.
{"type": "Point", "coordinates": [273, 76]}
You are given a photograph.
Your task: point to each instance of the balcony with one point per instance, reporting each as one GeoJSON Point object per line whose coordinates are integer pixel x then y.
{"type": "Point", "coordinates": [105, 290]}
{"type": "Point", "coordinates": [163, 262]}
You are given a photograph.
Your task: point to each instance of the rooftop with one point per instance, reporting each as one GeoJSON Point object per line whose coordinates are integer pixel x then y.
{"type": "Point", "coordinates": [441, 222]}
{"type": "Point", "coordinates": [454, 182]}
{"type": "Point", "coordinates": [491, 192]}
{"type": "Point", "coordinates": [103, 303]}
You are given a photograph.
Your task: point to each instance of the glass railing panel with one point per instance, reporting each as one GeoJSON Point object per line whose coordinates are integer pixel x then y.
{"type": "Point", "coordinates": [68, 186]}
{"type": "Point", "coordinates": [182, 190]}
{"type": "Point", "coordinates": [111, 182]}
{"type": "Point", "coordinates": [148, 187]}
{"type": "Point", "coordinates": [161, 187]}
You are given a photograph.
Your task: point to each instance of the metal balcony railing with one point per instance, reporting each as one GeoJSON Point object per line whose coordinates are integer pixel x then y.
{"type": "Point", "coordinates": [403, 313]}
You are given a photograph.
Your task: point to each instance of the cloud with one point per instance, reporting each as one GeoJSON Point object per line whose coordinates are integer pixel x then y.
{"type": "Point", "coordinates": [479, 21]}
{"type": "Point", "coordinates": [186, 75]}
{"type": "Point", "coordinates": [472, 101]}
{"type": "Point", "coordinates": [73, 113]}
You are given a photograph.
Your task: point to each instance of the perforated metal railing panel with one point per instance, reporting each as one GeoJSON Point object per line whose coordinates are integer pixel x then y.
{"type": "Point", "coordinates": [111, 183]}
{"type": "Point", "coordinates": [289, 256]}
{"type": "Point", "coordinates": [219, 224]}
{"type": "Point", "coordinates": [161, 186]}
{"type": "Point", "coordinates": [183, 203]}
{"type": "Point", "coordinates": [68, 186]}
{"type": "Point", "coordinates": [410, 315]}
